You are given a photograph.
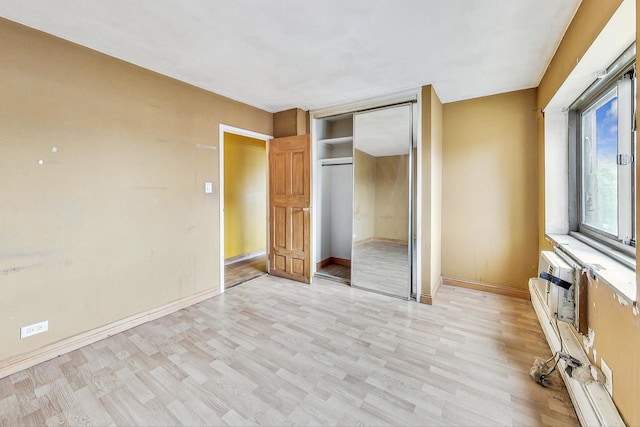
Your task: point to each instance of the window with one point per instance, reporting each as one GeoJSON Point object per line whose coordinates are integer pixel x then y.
{"type": "Point", "coordinates": [604, 120]}
{"type": "Point", "coordinates": [599, 195]}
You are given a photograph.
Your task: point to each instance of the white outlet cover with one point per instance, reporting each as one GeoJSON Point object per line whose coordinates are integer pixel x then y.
{"type": "Point", "coordinates": [34, 329]}
{"type": "Point", "coordinates": [608, 374]}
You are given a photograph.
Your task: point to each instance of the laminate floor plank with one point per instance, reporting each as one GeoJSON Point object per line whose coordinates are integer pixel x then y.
{"type": "Point", "coordinates": [276, 352]}
{"type": "Point", "coordinates": [381, 266]}
{"type": "Point", "coordinates": [245, 270]}
{"type": "Point", "coordinates": [337, 272]}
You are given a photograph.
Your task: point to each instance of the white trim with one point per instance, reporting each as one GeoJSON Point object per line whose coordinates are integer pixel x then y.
{"type": "Point", "coordinates": [418, 201]}
{"type": "Point", "coordinates": [337, 161]}
{"type": "Point", "coordinates": [591, 401]}
{"type": "Point", "coordinates": [341, 140]}
{"type": "Point", "coordinates": [314, 193]}
{"type": "Point", "coordinates": [353, 107]}
{"type": "Point", "coordinates": [613, 269]}
{"type": "Point", "coordinates": [237, 131]}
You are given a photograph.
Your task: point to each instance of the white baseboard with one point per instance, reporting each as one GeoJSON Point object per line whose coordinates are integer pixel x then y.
{"type": "Point", "coordinates": [591, 401]}
{"type": "Point", "coordinates": [18, 363]}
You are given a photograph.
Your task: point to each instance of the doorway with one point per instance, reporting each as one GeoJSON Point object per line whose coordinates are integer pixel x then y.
{"type": "Point", "coordinates": [243, 206]}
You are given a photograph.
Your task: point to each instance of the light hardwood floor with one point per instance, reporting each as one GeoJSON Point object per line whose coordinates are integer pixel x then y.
{"type": "Point", "coordinates": [335, 272]}
{"type": "Point", "coordinates": [243, 271]}
{"type": "Point", "coordinates": [276, 352]}
{"type": "Point", "coordinates": [382, 267]}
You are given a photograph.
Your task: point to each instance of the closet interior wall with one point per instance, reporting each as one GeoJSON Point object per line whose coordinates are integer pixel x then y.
{"type": "Point", "coordinates": [334, 197]}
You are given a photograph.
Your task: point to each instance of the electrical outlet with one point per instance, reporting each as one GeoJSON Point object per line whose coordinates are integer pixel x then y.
{"type": "Point", "coordinates": [36, 328]}
{"type": "Point", "coordinates": [608, 374]}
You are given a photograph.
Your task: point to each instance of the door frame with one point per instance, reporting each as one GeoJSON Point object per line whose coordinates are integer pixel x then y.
{"type": "Point", "coordinates": [251, 134]}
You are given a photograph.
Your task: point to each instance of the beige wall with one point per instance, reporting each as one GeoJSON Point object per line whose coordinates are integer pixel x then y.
{"type": "Point", "coordinates": [436, 188]}
{"type": "Point", "coordinates": [115, 222]}
{"type": "Point", "coordinates": [245, 195]}
{"type": "Point", "coordinates": [589, 20]}
{"type": "Point", "coordinates": [489, 191]}
{"type": "Point", "coordinates": [290, 123]}
{"type": "Point", "coordinates": [431, 180]}
{"type": "Point", "coordinates": [381, 197]}
{"type": "Point", "coordinates": [364, 193]}
{"type": "Point", "coordinates": [616, 327]}
{"type": "Point", "coordinates": [391, 209]}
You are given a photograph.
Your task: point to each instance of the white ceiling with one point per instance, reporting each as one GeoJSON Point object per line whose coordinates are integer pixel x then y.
{"type": "Point", "coordinates": [280, 54]}
{"type": "Point", "coordinates": [385, 132]}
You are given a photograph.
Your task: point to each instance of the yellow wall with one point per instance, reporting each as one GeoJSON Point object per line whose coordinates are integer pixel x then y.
{"type": "Point", "coordinates": [489, 190]}
{"type": "Point", "coordinates": [616, 327]}
{"type": "Point", "coordinates": [616, 340]}
{"type": "Point", "coordinates": [245, 195]}
{"type": "Point", "coordinates": [391, 207]}
{"type": "Point", "coordinates": [115, 222]}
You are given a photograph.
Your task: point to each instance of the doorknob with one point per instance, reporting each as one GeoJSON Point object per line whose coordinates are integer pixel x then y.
{"type": "Point", "coordinates": [306, 209]}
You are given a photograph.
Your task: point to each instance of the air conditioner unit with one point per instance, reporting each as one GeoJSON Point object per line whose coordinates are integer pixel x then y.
{"type": "Point", "coordinates": [558, 279]}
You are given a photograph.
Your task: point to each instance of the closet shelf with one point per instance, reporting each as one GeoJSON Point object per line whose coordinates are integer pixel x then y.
{"type": "Point", "coordinates": [341, 140]}
{"type": "Point", "coordinates": [337, 161]}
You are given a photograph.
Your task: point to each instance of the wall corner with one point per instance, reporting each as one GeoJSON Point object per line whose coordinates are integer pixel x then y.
{"type": "Point", "coordinates": [290, 123]}
{"type": "Point", "coordinates": [430, 208]}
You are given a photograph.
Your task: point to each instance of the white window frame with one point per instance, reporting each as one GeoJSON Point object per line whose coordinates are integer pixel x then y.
{"type": "Point", "coordinates": [620, 74]}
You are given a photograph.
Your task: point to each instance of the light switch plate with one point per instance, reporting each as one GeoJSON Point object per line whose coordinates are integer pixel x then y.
{"type": "Point", "coordinates": [208, 187]}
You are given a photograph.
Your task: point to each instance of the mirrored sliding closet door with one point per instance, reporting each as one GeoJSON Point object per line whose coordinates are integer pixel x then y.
{"type": "Point", "coordinates": [382, 200]}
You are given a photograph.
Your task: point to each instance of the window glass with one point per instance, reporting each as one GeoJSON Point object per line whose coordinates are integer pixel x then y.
{"type": "Point", "coordinates": [602, 179]}
{"type": "Point", "coordinates": [599, 167]}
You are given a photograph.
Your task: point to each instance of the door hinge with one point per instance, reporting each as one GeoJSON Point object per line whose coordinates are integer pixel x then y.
{"type": "Point", "coordinates": [625, 159]}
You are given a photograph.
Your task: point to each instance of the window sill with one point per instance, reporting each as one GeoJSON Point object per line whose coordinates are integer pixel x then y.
{"type": "Point", "coordinates": [606, 269]}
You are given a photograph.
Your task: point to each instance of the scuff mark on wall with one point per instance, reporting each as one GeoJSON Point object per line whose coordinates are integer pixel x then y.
{"type": "Point", "coordinates": [587, 340]}
{"type": "Point", "coordinates": [17, 269]}
{"type": "Point", "coordinates": [151, 188]}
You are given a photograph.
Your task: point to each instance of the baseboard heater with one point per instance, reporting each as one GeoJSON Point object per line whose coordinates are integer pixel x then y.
{"type": "Point", "coordinates": [591, 400]}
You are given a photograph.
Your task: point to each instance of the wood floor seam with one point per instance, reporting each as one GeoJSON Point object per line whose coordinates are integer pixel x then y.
{"type": "Point", "coordinates": [275, 352]}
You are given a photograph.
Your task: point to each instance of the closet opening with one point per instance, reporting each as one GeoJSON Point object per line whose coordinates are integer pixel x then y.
{"type": "Point", "coordinates": [364, 190]}
{"type": "Point", "coordinates": [334, 197]}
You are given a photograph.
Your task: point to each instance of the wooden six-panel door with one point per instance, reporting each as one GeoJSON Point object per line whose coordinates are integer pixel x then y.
{"type": "Point", "coordinates": [290, 207]}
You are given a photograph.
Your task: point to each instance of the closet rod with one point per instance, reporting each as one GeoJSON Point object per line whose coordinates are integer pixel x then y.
{"type": "Point", "coordinates": [336, 164]}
